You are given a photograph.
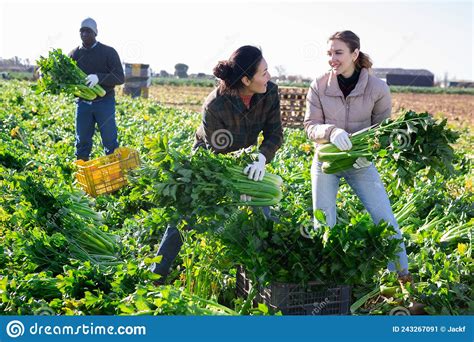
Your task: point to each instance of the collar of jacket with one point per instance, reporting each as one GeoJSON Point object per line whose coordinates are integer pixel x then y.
{"type": "Point", "coordinates": [93, 46]}
{"type": "Point", "coordinates": [238, 103]}
{"type": "Point", "coordinates": [333, 89]}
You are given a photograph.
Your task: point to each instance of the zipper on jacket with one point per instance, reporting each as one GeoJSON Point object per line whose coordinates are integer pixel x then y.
{"type": "Point", "coordinates": [346, 105]}
{"type": "Point", "coordinates": [347, 115]}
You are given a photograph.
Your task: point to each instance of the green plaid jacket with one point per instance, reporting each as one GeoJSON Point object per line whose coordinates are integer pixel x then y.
{"type": "Point", "coordinates": [227, 125]}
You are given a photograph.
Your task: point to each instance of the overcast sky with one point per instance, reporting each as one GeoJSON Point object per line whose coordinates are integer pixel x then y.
{"type": "Point", "coordinates": [433, 35]}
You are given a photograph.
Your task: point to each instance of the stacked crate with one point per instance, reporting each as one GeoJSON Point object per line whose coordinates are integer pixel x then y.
{"type": "Point", "coordinates": [137, 80]}
{"type": "Point", "coordinates": [292, 106]}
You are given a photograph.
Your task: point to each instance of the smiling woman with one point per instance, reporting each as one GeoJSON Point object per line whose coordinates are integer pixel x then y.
{"type": "Point", "coordinates": [245, 73]}
{"type": "Point", "coordinates": [244, 105]}
{"type": "Point", "coordinates": [345, 100]}
{"type": "Point", "coordinates": [344, 54]}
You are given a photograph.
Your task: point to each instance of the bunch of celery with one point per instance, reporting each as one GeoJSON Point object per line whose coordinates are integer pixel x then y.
{"type": "Point", "coordinates": [60, 73]}
{"type": "Point", "coordinates": [199, 184]}
{"type": "Point", "coordinates": [413, 140]}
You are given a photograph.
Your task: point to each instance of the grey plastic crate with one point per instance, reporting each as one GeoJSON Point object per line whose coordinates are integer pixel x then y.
{"type": "Point", "coordinates": [294, 299]}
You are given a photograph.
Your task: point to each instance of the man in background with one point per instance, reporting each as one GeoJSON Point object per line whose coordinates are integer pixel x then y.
{"type": "Point", "coordinates": [102, 65]}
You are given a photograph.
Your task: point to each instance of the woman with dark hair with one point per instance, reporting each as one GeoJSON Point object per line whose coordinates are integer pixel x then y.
{"type": "Point", "coordinates": [342, 101]}
{"type": "Point", "coordinates": [244, 105]}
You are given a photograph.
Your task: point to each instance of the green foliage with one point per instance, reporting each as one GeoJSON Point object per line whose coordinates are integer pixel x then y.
{"type": "Point", "coordinates": [201, 185]}
{"type": "Point", "coordinates": [412, 142]}
{"type": "Point", "coordinates": [60, 73]}
{"type": "Point", "coordinates": [40, 273]}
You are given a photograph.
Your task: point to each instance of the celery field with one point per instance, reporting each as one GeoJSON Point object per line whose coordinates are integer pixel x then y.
{"type": "Point", "coordinates": [63, 252]}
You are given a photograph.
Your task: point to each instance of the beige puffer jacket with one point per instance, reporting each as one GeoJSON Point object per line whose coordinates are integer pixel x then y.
{"type": "Point", "coordinates": [369, 103]}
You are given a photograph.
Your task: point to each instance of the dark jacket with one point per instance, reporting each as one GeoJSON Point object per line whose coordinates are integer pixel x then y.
{"type": "Point", "coordinates": [103, 61]}
{"type": "Point", "coordinates": [227, 125]}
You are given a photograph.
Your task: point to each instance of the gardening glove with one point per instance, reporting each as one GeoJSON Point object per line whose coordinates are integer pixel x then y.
{"type": "Point", "coordinates": [92, 80]}
{"type": "Point", "coordinates": [256, 170]}
{"type": "Point", "coordinates": [361, 162]}
{"type": "Point", "coordinates": [340, 138]}
{"type": "Point", "coordinates": [245, 198]}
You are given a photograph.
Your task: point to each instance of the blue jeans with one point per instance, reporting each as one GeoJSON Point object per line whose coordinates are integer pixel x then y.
{"type": "Point", "coordinates": [368, 186]}
{"type": "Point", "coordinates": [171, 244]}
{"type": "Point", "coordinates": [88, 114]}
{"type": "Point", "coordinates": [169, 249]}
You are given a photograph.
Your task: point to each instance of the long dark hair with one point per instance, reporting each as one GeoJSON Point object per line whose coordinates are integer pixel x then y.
{"type": "Point", "coordinates": [243, 62]}
{"type": "Point", "coordinates": [353, 42]}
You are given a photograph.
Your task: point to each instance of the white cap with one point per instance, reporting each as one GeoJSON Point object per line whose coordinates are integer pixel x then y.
{"type": "Point", "coordinates": [90, 23]}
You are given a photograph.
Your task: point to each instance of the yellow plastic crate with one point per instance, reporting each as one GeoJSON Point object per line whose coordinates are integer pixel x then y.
{"type": "Point", "coordinates": [106, 174]}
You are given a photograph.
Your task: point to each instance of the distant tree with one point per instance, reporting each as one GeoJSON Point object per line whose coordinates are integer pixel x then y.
{"type": "Point", "coordinates": [15, 63]}
{"type": "Point", "coordinates": [181, 70]}
{"type": "Point", "coordinates": [164, 73]}
{"type": "Point", "coordinates": [281, 71]}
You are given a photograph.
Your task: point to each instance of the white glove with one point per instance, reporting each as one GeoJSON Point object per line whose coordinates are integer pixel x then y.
{"type": "Point", "coordinates": [340, 138]}
{"type": "Point", "coordinates": [92, 80]}
{"type": "Point", "coordinates": [361, 162]}
{"type": "Point", "coordinates": [256, 170]}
